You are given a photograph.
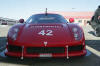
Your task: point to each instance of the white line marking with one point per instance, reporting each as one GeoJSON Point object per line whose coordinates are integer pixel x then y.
{"type": "Point", "coordinates": [2, 54]}
{"type": "Point", "coordinates": [3, 25]}
{"type": "Point", "coordinates": [93, 51]}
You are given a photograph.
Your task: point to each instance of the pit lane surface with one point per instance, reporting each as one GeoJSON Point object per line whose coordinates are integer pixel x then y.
{"type": "Point", "coordinates": [91, 59]}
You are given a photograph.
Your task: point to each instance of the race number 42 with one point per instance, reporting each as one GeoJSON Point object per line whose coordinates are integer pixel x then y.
{"type": "Point", "coordinates": [46, 32]}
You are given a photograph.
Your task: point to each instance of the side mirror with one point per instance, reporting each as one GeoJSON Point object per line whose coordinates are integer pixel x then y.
{"type": "Point", "coordinates": [71, 20]}
{"type": "Point", "coordinates": [89, 22]}
{"type": "Point", "coordinates": [21, 20]}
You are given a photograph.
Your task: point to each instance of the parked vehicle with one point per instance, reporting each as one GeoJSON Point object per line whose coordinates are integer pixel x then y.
{"type": "Point", "coordinates": [95, 22]}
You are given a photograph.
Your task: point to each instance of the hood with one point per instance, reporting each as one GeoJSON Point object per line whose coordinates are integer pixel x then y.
{"type": "Point", "coordinates": [42, 34]}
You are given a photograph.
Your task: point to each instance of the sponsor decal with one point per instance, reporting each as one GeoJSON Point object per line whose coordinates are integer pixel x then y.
{"type": "Point", "coordinates": [45, 26]}
{"type": "Point", "coordinates": [45, 55]}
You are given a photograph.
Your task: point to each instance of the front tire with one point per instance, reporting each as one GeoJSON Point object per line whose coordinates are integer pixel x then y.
{"type": "Point", "coordinates": [97, 32]}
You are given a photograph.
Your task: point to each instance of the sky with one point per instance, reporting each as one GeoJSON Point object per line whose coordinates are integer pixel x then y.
{"type": "Point", "coordinates": [16, 9]}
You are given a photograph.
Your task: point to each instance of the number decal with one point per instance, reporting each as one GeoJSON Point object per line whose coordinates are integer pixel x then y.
{"type": "Point", "coordinates": [46, 32]}
{"type": "Point", "coordinates": [49, 33]}
{"type": "Point", "coordinates": [42, 32]}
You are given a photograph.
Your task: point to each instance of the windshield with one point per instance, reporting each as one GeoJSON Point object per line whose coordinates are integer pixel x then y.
{"type": "Point", "coordinates": [49, 18]}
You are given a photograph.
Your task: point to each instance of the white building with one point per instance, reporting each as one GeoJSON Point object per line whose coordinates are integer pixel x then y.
{"type": "Point", "coordinates": [80, 17]}
{"type": "Point", "coordinates": [7, 21]}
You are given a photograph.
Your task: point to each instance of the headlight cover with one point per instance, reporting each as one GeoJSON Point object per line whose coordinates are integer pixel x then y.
{"type": "Point", "coordinates": [76, 33]}
{"type": "Point", "coordinates": [74, 30]}
{"type": "Point", "coordinates": [15, 33]}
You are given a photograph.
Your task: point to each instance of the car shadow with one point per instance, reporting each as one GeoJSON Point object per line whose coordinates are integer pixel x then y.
{"type": "Point", "coordinates": [3, 41]}
{"type": "Point", "coordinates": [39, 61]}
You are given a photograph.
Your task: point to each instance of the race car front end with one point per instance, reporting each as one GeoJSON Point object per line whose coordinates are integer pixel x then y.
{"type": "Point", "coordinates": [52, 51]}
{"type": "Point", "coordinates": [58, 40]}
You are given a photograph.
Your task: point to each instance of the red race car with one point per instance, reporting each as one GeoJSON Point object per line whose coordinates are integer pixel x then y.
{"type": "Point", "coordinates": [45, 35]}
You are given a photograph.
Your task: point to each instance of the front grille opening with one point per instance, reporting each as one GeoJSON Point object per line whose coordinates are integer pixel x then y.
{"type": "Point", "coordinates": [13, 48]}
{"type": "Point", "coordinates": [45, 50]}
{"type": "Point", "coordinates": [75, 48]}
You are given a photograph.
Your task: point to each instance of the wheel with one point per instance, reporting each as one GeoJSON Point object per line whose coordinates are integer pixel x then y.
{"type": "Point", "coordinates": [97, 32]}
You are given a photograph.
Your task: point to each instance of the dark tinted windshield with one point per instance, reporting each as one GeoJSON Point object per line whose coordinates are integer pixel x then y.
{"type": "Point", "coordinates": [49, 18]}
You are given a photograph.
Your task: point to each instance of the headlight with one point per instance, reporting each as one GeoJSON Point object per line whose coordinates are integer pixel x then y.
{"type": "Point", "coordinates": [75, 33]}
{"type": "Point", "coordinates": [14, 36]}
{"type": "Point", "coordinates": [16, 30]}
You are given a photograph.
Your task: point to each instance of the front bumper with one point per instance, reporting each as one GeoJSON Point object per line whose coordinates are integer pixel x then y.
{"type": "Point", "coordinates": [23, 53]}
